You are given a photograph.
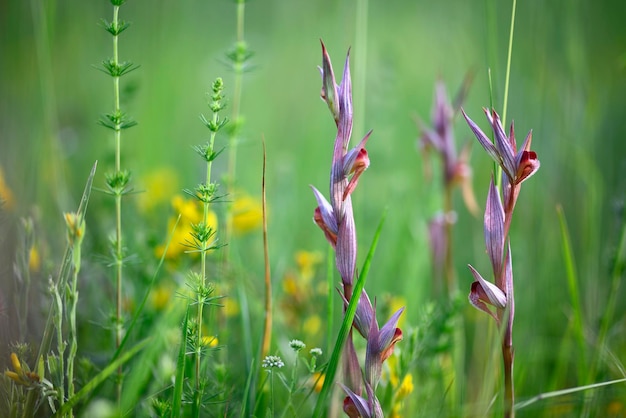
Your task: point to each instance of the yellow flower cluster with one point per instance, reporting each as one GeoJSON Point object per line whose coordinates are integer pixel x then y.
{"type": "Point", "coordinates": [21, 375]}
{"type": "Point", "coordinates": [401, 388]}
{"type": "Point", "coordinates": [247, 213]}
{"type": "Point", "coordinates": [300, 290]}
{"type": "Point", "coordinates": [190, 211]}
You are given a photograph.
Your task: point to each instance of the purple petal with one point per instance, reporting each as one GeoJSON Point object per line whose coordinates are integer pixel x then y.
{"type": "Point", "coordinates": [483, 139]}
{"type": "Point", "coordinates": [508, 274]}
{"type": "Point", "coordinates": [326, 211]}
{"type": "Point", "coordinates": [487, 291]}
{"type": "Point", "coordinates": [329, 85]}
{"type": "Point", "coordinates": [364, 315]}
{"type": "Point", "coordinates": [354, 401]}
{"type": "Point", "coordinates": [494, 230]}
{"type": "Point", "coordinates": [345, 106]}
{"type": "Point", "coordinates": [346, 245]}
{"type": "Point", "coordinates": [388, 331]}
{"type": "Point", "coordinates": [503, 146]}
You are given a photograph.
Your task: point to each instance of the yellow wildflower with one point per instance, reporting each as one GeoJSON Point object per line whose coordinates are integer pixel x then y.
{"type": "Point", "coordinates": [191, 212]}
{"type": "Point", "coordinates": [317, 380]}
{"type": "Point", "coordinates": [312, 325]}
{"type": "Point", "coordinates": [6, 194]}
{"type": "Point", "coordinates": [34, 260]}
{"type": "Point", "coordinates": [231, 307]}
{"type": "Point", "coordinates": [307, 260]}
{"type": "Point", "coordinates": [21, 375]}
{"type": "Point", "coordinates": [210, 341]}
{"type": "Point", "coordinates": [406, 387]}
{"type": "Point", "coordinates": [247, 213]}
{"type": "Point", "coordinates": [392, 363]}
{"type": "Point", "coordinates": [160, 297]}
{"type": "Point", "coordinates": [159, 186]}
{"type": "Point", "coordinates": [290, 284]}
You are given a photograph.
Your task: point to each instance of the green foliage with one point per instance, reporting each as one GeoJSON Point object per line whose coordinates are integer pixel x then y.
{"type": "Point", "coordinates": [569, 291]}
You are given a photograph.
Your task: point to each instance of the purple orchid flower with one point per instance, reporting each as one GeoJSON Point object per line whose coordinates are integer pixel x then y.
{"type": "Point", "coordinates": [335, 218]}
{"type": "Point", "coordinates": [517, 165]}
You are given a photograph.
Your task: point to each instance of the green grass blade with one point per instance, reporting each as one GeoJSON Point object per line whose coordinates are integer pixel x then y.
{"type": "Point", "coordinates": [177, 396]}
{"type": "Point", "coordinates": [101, 377]}
{"type": "Point", "coordinates": [330, 281]}
{"type": "Point", "coordinates": [346, 325]}
{"type": "Point", "coordinates": [563, 392]}
{"type": "Point", "coordinates": [572, 283]}
{"type": "Point", "coordinates": [246, 392]}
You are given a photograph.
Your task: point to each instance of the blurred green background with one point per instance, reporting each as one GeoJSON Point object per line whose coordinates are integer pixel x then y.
{"type": "Point", "coordinates": [568, 84]}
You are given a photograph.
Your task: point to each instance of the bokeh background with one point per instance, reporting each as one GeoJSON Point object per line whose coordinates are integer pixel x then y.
{"type": "Point", "coordinates": [568, 84]}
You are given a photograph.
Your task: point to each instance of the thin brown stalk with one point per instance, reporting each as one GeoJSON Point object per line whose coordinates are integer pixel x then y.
{"type": "Point", "coordinates": [267, 330]}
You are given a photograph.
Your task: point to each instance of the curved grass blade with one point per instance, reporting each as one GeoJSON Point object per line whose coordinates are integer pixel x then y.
{"type": "Point", "coordinates": [101, 377]}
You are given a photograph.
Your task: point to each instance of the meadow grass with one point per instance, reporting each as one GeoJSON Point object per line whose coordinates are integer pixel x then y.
{"type": "Point", "coordinates": [79, 340]}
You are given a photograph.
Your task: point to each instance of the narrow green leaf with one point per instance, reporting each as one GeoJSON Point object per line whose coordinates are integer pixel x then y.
{"type": "Point", "coordinates": [346, 325]}
{"type": "Point", "coordinates": [101, 377]}
{"type": "Point", "coordinates": [572, 283]}
{"type": "Point", "coordinates": [177, 396]}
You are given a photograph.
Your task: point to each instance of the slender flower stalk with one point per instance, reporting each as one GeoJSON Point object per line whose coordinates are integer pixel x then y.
{"type": "Point", "coordinates": [118, 180]}
{"type": "Point", "coordinates": [517, 166]}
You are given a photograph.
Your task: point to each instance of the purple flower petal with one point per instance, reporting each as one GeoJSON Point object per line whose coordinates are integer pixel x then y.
{"type": "Point", "coordinates": [494, 230]}
{"type": "Point", "coordinates": [329, 85]}
{"type": "Point", "coordinates": [483, 139]}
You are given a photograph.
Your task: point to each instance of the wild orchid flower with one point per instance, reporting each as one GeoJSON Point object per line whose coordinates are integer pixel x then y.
{"type": "Point", "coordinates": [336, 218]}
{"type": "Point", "coordinates": [517, 166]}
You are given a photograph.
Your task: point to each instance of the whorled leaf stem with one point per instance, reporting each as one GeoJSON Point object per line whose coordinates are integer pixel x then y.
{"type": "Point", "coordinates": [203, 235]}
{"type": "Point", "coordinates": [118, 180]}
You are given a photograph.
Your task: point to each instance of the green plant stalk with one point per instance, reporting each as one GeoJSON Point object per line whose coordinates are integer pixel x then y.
{"type": "Point", "coordinates": [346, 325]}
{"type": "Point", "coordinates": [360, 67]}
{"type": "Point", "coordinates": [271, 393]}
{"type": "Point", "coordinates": [572, 281]}
{"type": "Point", "coordinates": [616, 279]}
{"type": "Point", "coordinates": [119, 257]}
{"type": "Point", "coordinates": [203, 267]}
{"type": "Point", "coordinates": [450, 277]}
{"type": "Point", "coordinates": [177, 396]}
{"type": "Point", "coordinates": [73, 296]}
{"type": "Point", "coordinates": [508, 65]}
{"type": "Point", "coordinates": [330, 283]}
{"type": "Point", "coordinates": [58, 325]}
{"type": "Point", "coordinates": [62, 277]}
{"type": "Point", "coordinates": [238, 67]}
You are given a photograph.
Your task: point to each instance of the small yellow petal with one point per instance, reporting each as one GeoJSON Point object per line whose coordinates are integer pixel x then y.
{"type": "Point", "coordinates": [17, 366]}
{"type": "Point", "coordinates": [406, 387]}
{"type": "Point", "coordinates": [34, 260]}
{"type": "Point", "coordinates": [312, 325]}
